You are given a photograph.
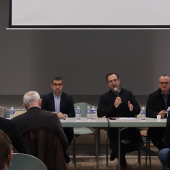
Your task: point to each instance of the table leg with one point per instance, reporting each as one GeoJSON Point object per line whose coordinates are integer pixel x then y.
{"type": "Point", "coordinates": [118, 148]}
{"type": "Point", "coordinates": [97, 134]}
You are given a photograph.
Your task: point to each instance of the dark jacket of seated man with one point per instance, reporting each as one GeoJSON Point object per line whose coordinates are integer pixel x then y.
{"type": "Point", "coordinates": [66, 104]}
{"type": "Point", "coordinates": [35, 118]}
{"type": "Point", "coordinates": [119, 102]}
{"type": "Point", "coordinates": [13, 132]}
{"type": "Point", "coordinates": [107, 108]}
{"type": "Point", "coordinates": [157, 104]}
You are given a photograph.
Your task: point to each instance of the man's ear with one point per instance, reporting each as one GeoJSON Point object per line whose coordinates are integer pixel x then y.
{"type": "Point", "coordinates": [25, 106]}
{"type": "Point", "coordinates": [9, 158]}
{"type": "Point", "coordinates": [40, 101]}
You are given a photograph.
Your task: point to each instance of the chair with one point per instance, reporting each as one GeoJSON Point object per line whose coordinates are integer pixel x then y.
{"type": "Point", "coordinates": [82, 130]}
{"type": "Point", "coordinates": [46, 146]}
{"type": "Point", "coordinates": [26, 162]}
{"type": "Point", "coordinates": [4, 112]}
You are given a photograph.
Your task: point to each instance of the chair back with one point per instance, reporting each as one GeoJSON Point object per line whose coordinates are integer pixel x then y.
{"type": "Point", "coordinates": [4, 112]}
{"type": "Point", "coordinates": [83, 107]}
{"type": "Point", "coordinates": [26, 162]}
{"type": "Point", "coordinates": [46, 146]}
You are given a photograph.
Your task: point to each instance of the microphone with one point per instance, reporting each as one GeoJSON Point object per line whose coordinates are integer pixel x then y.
{"type": "Point", "coordinates": [116, 92]}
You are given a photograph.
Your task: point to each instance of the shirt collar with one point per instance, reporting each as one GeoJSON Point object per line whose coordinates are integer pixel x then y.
{"type": "Point", "coordinates": [164, 95]}
{"type": "Point", "coordinates": [56, 96]}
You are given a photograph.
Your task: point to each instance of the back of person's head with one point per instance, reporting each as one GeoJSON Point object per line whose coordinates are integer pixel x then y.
{"type": "Point", "coordinates": [6, 151]}
{"type": "Point", "coordinates": [32, 98]}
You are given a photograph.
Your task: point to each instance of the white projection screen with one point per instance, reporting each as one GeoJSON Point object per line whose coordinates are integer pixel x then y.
{"type": "Point", "coordinates": [90, 13]}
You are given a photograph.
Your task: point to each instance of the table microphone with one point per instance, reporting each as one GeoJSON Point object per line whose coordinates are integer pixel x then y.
{"type": "Point", "coordinates": [116, 92]}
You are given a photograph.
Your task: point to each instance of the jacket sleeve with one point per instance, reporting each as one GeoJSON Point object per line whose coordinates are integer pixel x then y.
{"type": "Point", "coordinates": [103, 108]}
{"type": "Point", "coordinates": [71, 112]}
{"type": "Point", "coordinates": [17, 139]}
{"type": "Point", "coordinates": [136, 107]}
{"type": "Point", "coordinates": [150, 107]}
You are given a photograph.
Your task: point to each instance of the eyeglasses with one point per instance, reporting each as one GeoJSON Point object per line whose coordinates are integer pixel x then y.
{"type": "Point", "coordinates": [60, 84]}
{"type": "Point", "coordinates": [166, 83]}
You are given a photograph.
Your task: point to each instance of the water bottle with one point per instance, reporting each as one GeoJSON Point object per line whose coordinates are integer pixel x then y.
{"type": "Point", "coordinates": [12, 112]}
{"type": "Point", "coordinates": [143, 113]}
{"type": "Point", "coordinates": [78, 113]}
{"type": "Point", "coordinates": [168, 111]}
{"type": "Point", "coordinates": [93, 113]}
{"type": "Point", "coordinates": [88, 112]}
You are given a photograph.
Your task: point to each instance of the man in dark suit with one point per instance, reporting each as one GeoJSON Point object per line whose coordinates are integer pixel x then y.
{"type": "Point", "coordinates": [35, 118]}
{"type": "Point", "coordinates": [60, 103]}
{"type": "Point", "coordinates": [119, 102]}
{"type": "Point", "coordinates": [11, 129]}
{"type": "Point", "coordinates": [157, 104]}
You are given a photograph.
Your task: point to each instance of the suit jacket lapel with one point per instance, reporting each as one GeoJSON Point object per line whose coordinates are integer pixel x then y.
{"type": "Point", "coordinates": [62, 102]}
{"type": "Point", "coordinates": [52, 102]}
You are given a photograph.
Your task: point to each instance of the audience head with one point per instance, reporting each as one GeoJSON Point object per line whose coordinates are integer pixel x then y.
{"type": "Point", "coordinates": [113, 80]}
{"type": "Point", "coordinates": [57, 85]}
{"type": "Point", "coordinates": [32, 98]}
{"type": "Point", "coordinates": [6, 151]}
{"type": "Point", "coordinates": [164, 84]}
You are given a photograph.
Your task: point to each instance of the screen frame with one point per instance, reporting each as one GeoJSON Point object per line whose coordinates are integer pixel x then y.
{"type": "Point", "coordinates": [83, 26]}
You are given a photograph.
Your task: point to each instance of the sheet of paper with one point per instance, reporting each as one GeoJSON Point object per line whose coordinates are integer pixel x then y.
{"type": "Point", "coordinates": [127, 118]}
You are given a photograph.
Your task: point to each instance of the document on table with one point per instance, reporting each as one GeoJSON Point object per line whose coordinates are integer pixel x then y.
{"type": "Point", "coordinates": [127, 118]}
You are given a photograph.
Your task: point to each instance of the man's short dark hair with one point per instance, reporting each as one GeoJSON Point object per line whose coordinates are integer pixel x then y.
{"type": "Point", "coordinates": [57, 78]}
{"type": "Point", "coordinates": [111, 73]}
{"type": "Point", "coordinates": [5, 148]}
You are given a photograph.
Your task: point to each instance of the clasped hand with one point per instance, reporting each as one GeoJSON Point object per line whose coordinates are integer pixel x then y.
{"type": "Point", "coordinates": [60, 115]}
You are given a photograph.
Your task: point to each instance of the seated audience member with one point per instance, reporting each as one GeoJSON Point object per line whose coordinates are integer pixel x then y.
{"type": "Point", "coordinates": [119, 102]}
{"type": "Point", "coordinates": [3, 111]}
{"type": "Point", "coordinates": [6, 151]}
{"type": "Point", "coordinates": [164, 154]}
{"type": "Point", "coordinates": [13, 132]}
{"type": "Point", "coordinates": [157, 104]}
{"type": "Point", "coordinates": [36, 118]}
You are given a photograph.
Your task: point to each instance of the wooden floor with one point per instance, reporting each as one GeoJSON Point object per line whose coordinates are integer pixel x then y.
{"type": "Point", "coordinates": [90, 164]}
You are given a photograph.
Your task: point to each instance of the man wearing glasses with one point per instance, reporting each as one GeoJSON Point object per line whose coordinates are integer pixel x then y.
{"type": "Point", "coordinates": [60, 103]}
{"type": "Point", "coordinates": [119, 102]}
{"type": "Point", "coordinates": [157, 104]}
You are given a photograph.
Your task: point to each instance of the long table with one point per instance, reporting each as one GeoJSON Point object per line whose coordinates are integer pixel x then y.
{"type": "Point", "coordinates": [134, 122]}
{"type": "Point", "coordinates": [84, 122]}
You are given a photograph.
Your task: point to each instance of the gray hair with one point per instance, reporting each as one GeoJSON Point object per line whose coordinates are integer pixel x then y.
{"type": "Point", "coordinates": [30, 98]}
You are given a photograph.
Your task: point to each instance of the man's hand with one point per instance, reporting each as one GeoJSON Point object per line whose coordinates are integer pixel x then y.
{"type": "Point", "coordinates": [162, 113]}
{"type": "Point", "coordinates": [130, 106]}
{"type": "Point", "coordinates": [60, 115]}
{"type": "Point", "coordinates": [118, 101]}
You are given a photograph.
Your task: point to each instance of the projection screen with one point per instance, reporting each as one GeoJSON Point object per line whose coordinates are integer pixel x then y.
{"type": "Point", "coordinates": [90, 13]}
